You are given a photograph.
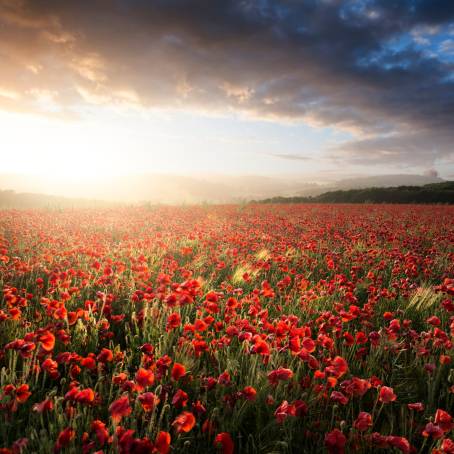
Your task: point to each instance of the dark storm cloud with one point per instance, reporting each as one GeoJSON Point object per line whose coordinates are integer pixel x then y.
{"type": "Point", "coordinates": [325, 62]}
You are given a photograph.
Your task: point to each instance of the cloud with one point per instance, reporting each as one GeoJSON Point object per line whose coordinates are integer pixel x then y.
{"type": "Point", "coordinates": [405, 149]}
{"type": "Point", "coordinates": [345, 64]}
{"type": "Point", "coordinates": [290, 157]}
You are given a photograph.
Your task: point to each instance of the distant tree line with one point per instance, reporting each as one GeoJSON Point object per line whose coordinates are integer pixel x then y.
{"type": "Point", "coordinates": [435, 193]}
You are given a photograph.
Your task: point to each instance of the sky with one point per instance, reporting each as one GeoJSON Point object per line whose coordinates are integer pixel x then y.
{"type": "Point", "coordinates": [91, 89]}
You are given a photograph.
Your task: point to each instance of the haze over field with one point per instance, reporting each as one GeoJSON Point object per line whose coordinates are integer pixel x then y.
{"type": "Point", "coordinates": [159, 188]}
{"type": "Point", "coordinates": [193, 100]}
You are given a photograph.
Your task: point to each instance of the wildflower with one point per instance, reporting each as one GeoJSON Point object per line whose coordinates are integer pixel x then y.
{"type": "Point", "coordinates": [337, 396]}
{"type": "Point", "coordinates": [363, 422]}
{"type": "Point", "coordinates": [148, 401]}
{"type": "Point", "coordinates": [45, 405]}
{"type": "Point", "coordinates": [279, 374]}
{"type": "Point", "coordinates": [64, 438]}
{"type": "Point", "coordinates": [335, 442]}
{"type": "Point", "coordinates": [261, 348]}
{"type": "Point", "coordinates": [417, 406]}
{"type": "Point", "coordinates": [162, 443]}
{"type": "Point", "coordinates": [22, 393]}
{"type": "Point", "coordinates": [85, 396]}
{"type": "Point", "coordinates": [120, 408]}
{"type": "Point", "coordinates": [173, 321]}
{"type": "Point", "coordinates": [225, 440]}
{"type": "Point", "coordinates": [386, 395]}
{"type": "Point", "coordinates": [338, 367]}
{"type": "Point", "coordinates": [444, 420]}
{"type": "Point", "coordinates": [432, 430]}
{"type": "Point", "coordinates": [105, 356]}
{"type": "Point", "coordinates": [100, 430]}
{"type": "Point", "coordinates": [180, 399]}
{"type": "Point", "coordinates": [47, 340]}
{"type": "Point", "coordinates": [144, 378]}
{"type": "Point", "coordinates": [184, 422]}
{"type": "Point", "coordinates": [283, 411]}
{"type": "Point", "coordinates": [249, 393]}
{"type": "Point", "coordinates": [178, 371]}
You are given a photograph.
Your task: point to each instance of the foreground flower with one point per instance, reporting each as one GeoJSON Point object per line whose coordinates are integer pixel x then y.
{"type": "Point", "coordinates": [64, 438]}
{"type": "Point", "coordinates": [162, 443]}
{"type": "Point", "coordinates": [335, 442]}
{"type": "Point", "coordinates": [338, 367]}
{"type": "Point", "coordinates": [283, 411]}
{"type": "Point", "coordinates": [47, 340]}
{"type": "Point", "coordinates": [45, 405]}
{"type": "Point", "coordinates": [22, 393]}
{"type": "Point", "coordinates": [100, 430]}
{"type": "Point", "coordinates": [444, 420]}
{"type": "Point", "coordinates": [386, 395]}
{"type": "Point", "coordinates": [279, 374]}
{"type": "Point", "coordinates": [433, 431]}
{"type": "Point", "coordinates": [225, 441]}
{"type": "Point", "coordinates": [148, 401]}
{"type": "Point", "coordinates": [178, 371]}
{"type": "Point", "coordinates": [363, 422]}
{"type": "Point", "coordinates": [184, 422]}
{"type": "Point", "coordinates": [249, 393]}
{"type": "Point", "coordinates": [144, 378]}
{"type": "Point", "coordinates": [120, 408]}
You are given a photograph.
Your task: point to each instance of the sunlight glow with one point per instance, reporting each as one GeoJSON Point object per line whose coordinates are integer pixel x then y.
{"type": "Point", "coordinates": [70, 150]}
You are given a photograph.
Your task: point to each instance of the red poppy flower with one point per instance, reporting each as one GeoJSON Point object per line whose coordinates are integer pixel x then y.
{"type": "Point", "coordinates": [162, 443]}
{"type": "Point", "coordinates": [386, 395]}
{"type": "Point", "coordinates": [335, 442]}
{"type": "Point", "coordinates": [148, 401]}
{"type": "Point", "coordinates": [22, 393]}
{"type": "Point", "coordinates": [64, 438]}
{"type": "Point", "coordinates": [433, 430]}
{"type": "Point", "coordinates": [261, 348]}
{"type": "Point", "coordinates": [45, 405]}
{"type": "Point", "coordinates": [180, 399]}
{"type": "Point", "coordinates": [178, 371]}
{"type": "Point", "coordinates": [417, 406]}
{"type": "Point", "coordinates": [105, 356]}
{"type": "Point", "coordinates": [249, 393]}
{"type": "Point", "coordinates": [100, 430]}
{"type": "Point", "coordinates": [120, 408]}
{"type": "Point", "coordinates": [224, 379]}
{"type": "Point", "coordinates": [47, 340]}
{"type": "Point", "coordinates": [86, 396]}
{"type": "Point", "coordinates": [400, 443]}
{"type": "Point", "coordinates": [173, 321]}
{"type": "Point", "coordinates": [283, 411]}
{"type": "Point", "coordinates": [363, 422]}
{"type": "Point", "coordinates": [444, 420]}
{"type": "Point", "coordinates": [337, 396]}
{"type": "Point", "coordinates": [338, 367]}
{"type": "Point", "coordinates": [51, 367]}
{"type": "Point", "coordinates": [279, 374]}
{"type": "Point", "coordinates": [225, 440]}
{"type": "Point", "coordinates": [184, 422]}
{"type": "Point", "coordinates": [144, 378]}
{"type": "Point", "coordinates": [447, 446]}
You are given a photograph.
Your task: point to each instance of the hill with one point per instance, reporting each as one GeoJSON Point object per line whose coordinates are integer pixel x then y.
{"type": "Point", "coordinates": [428, 194]}
{"type": "Point", "coordinates": [11, 199]}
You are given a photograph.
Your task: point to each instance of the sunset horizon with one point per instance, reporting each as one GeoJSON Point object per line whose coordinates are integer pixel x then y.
{"type": "Point", "coordinates": [322, 90]}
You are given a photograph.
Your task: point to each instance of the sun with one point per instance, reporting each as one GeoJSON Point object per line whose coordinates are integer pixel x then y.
{"type": "Point", "coordinates": [72, 151]}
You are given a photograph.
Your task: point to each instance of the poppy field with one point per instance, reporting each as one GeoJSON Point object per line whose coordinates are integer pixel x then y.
{"type": "Point", "coordinates": [227, 329]}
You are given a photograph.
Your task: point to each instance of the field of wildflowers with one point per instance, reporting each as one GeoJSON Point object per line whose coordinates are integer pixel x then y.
{"type": "Point", "coordinates": [232, 329]}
